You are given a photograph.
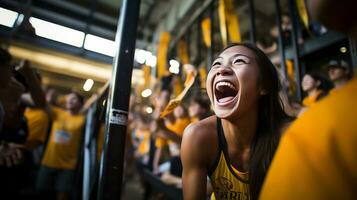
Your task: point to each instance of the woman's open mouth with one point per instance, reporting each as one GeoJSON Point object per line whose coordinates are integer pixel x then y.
{"type": "Point", "coordinates": [225, 92]}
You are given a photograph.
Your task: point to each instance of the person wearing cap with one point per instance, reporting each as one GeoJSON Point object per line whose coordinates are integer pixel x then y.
{"type": "Point", "coordinates": [317, 155]}
{"type": "Point", "coordinates": [338, 71]}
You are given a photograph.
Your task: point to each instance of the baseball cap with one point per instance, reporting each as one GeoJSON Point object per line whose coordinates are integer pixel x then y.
{"type": "Point", "coordinates": [337, 64]}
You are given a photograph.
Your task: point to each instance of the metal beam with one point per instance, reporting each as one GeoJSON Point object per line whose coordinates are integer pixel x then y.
{"type": "Point", "coordinates": [280, 39]}
{"type": "Point", "coordinates": [211, 49]}
{"type": "Point", "coordinates": [295, 45]}
{"type": "Point", "coordinates": [353, 53]}
{"type": "Point", "coordinates": [111, 169]}
{"type": "Point", "coordinates": [253, 35]}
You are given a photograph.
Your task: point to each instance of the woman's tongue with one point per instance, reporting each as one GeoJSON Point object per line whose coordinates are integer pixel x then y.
{"type": "Point", "coordinates": [225, 94]}
{"type": "Point", "coordinates": [225, 99]}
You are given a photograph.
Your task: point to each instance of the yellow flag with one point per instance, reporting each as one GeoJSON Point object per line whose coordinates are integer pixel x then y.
{"type": "Point", "coordinates": [228, 20]}
{"type": "Point", "coordinates": [232, 22]}
{"type": "Point", "coordinates": [206, 31]}
{"type": "Point", "coordinates": [177, 101]}
{"type": "Point", "coordinates": [162, 54]}
{"type": "Point", "coordinates": [182, 52]}
{"type": "Point", "coordinates": [177, 85]}
{"type": "Point", "coordinates": [301, 7]}
{"type": "Point", "coordinates": [222, 21]}
{"type": "Point", "coordinates": [203, 75]}
{"type": "Point", "coordinates": [291, 76]}
{"type": "Point", "coordinates": [147, 75]}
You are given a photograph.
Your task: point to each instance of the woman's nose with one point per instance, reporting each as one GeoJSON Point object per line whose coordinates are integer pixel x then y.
{"type": "Point", "coordinates": [224, 71]}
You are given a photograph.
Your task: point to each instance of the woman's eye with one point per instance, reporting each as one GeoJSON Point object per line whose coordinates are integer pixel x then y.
{"type": "Point", "coordinates": [239, 61]}
{"type": "Point", "coordinates": [216, 64]}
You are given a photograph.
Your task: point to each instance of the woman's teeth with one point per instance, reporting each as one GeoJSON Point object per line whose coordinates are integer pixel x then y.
{"type": "Point", "coordinates": [224, 83]}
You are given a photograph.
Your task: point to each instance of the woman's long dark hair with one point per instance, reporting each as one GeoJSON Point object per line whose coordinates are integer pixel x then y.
{"type": "Point", "coordinates": [271, 117]}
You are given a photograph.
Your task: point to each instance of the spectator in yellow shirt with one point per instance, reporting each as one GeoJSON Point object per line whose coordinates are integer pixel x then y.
{"type": "Point", "coordinates": [176, 127]}
{"type": "Point", "coordinates": [38, 124]}
{"type": "Point", "coordinates": [316, 88]}
{"type": "Point", "coordinates": [61, 154]}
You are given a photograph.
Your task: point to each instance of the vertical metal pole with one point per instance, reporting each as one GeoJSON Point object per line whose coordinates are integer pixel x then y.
{"type": "Point", "coordinates": [353, 54]}
{"type": "Point", "coordinates": [111, 169]}
{"type": "Point", "coordinates": [87, 179]}
{"type": "Point", "coordinates": [280, 39]}
{"type": "Point", "coordinates": [295, 47]}
{"type": "Point", "coordinates": [253, 35]}
{"type": "Point", "coordinates": [211, 49]}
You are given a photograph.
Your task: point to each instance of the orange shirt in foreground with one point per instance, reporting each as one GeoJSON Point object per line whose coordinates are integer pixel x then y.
{"type": "Point", "coordinates": [317, 156]}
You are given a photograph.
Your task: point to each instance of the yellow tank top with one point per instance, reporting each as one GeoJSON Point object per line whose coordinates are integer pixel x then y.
{"type": "Point", "coordinates": [227, 182]}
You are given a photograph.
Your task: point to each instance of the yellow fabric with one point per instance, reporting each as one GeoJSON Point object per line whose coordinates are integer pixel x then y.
{"type": "Point", "coordinates": [194, 119]}
{"type": "Point", "coordinates": [226, 185]}
{"type": "Point", "coordinates": [147, 75]}
{"type": "Point", "coordinates": [333, 91]}
{"type": "Point", "coordinates": [173, 103]}
{"type": "Point", "coordinates": [37, 122]}
{"type": "Point", "coordinates": [203, 75]}
{"type": "Point", "coordinates": [183, 53]}
{"type": "Point", "coordinates": [162, 54]}
{"type": "Point", "coordinates": [177, 85]}
{"type": "Point", "coordinates": [144, 144]}
{"type": "Point", "coordinates": [228, 21]}
{"type": "Point", "coordinates": [206, 31]}
{"type": "Point", "coordinates": [222, 21]}
{"type": "Point", "coordinates": [301, 7]}
{"type": "Point", "coordinates": [184, 59]}
{"type": "Point", "coordinates": [61, 100]}
{"type": "Point", "coordinates": [160, 142]}
{"type": "Point", "coordinates": [309, 100]}
{"type": "Point", "coordinates": [232, 22]}
{"type": "Point", "coordinates": [317, 156]}
{"type": "Point", "coordinates": [291, 76]}
{"type": "Point", "coordinates": [177, 127]}
{"type": "Point", "coordinates": [62, 148]}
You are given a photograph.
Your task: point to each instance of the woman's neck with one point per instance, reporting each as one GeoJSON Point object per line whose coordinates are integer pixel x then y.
{"type": "Point", "coordinates": [312, 92]}
{"type": "Point", "coordinates": [240, 131]}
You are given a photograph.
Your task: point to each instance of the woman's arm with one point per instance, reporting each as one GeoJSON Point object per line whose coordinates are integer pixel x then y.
{"type": "Point", "coordinates": [37, 94]}
{"type": "Point", "coordinates": [156, 162]}
{"type": "Point", "coordinates": [195, 162]}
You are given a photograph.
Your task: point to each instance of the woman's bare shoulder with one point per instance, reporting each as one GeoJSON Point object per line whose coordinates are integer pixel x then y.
{"type": "Point", "coordinates": [200, 140]}
{"type": "Point", "coordinates": [202, 130]}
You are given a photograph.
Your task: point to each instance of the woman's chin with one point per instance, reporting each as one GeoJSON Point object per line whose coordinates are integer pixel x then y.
{"type": "Point", "coordinates": [226, 113]}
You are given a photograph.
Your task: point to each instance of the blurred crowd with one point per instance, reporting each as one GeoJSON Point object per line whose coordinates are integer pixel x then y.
{"type": "Point", "coordinates": [40, 134]}
{"type": "Point", "coordinates": [42, 131]}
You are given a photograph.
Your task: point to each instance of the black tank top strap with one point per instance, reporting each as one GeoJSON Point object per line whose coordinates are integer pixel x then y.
{"type": "Point", "coordinates": [220, 134]}
{"type": "Point", "coordinates": [220, 138]}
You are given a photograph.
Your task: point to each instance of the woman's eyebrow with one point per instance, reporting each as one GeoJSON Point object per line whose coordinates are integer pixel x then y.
{"type": "Point", "coordinates": [239, 54]}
